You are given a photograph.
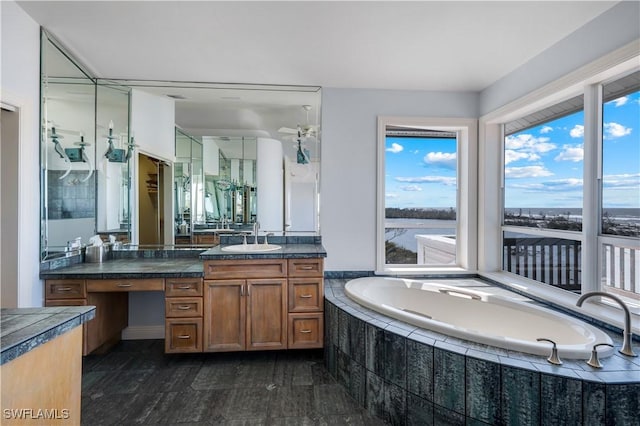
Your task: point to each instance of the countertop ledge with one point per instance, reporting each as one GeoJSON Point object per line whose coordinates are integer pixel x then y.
{"type": "Point", "coordinates": [24, 329]}
{"type": "Point", "coordinates": [149, 267]}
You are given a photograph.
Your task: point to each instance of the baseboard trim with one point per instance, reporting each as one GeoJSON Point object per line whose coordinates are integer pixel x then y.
{"type": "Point", "coordinates": [143, 332]}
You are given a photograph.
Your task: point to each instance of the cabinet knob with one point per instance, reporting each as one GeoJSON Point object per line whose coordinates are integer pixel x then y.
{"type": "Point", "coordinates": [306, 296]}
{"type": "Point", "coordinates": [184, 287]}
{"type": "Point", "coordinates": [305, 331]}
{"type": "Point", "coordinates": [184, 336]}
{"type": "Point", "coordinates": [184, 307]}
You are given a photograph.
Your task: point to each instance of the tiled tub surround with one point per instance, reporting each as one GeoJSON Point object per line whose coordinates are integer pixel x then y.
{"type": "Point", "coordinates": [408, 375]}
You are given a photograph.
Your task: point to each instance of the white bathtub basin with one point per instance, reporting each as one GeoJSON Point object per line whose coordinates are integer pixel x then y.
{"type": "Point", "coordinates": [251, 248]}
{"type": "Point", "coordinates": [478, 316]}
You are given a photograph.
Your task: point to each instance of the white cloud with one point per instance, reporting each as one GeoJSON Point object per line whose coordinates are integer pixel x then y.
{"type": "Point", "coordinates": [528, 143]}
{"type": "Point", "coordinates": [615, 130]}
{"type": "Point", "coordinates": [447, 159]}
{"type": "Point", "coordinates": [411, 188]}
{"type": "Point", "coordinates": [622, 181]}
{"type": "Point", "coordinates": [415, 151]}
{"type": "Point", "coordinates": [446, 180]}
{"type": "Point", "coordinates": [571, 153]}
{"type": "Point", "coordinates": [620, 101]}
{"type": "Point", "coordinates": [395, 148]}
{"type": "Point", "coordinates": [526, 172]}
{"type": "Point", "coordinates": [577, 131]}
{"type": "Point", "coordinates": [391, 195]}
{"type": "Point", "coordinates": [557, 185]}
{"type": "Point", "coordinates": [546, 129]}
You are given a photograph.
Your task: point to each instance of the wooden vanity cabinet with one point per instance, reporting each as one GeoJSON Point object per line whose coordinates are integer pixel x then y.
{"type": "Point", "coordinates": [263, 304]}
{"type": "Point", "coordinates": [183, 315]}
{"type": "Point", "coordinates": [111, 317]}
{"type": "Point", "coordinates": [245, 305]}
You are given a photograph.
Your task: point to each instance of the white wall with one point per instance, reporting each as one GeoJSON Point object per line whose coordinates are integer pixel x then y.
{"type": "Point", "coordinates": [613, 29]}
{"type": "Point", "coordinates": [348, 165]}
{"type": "Point", "coordinates": [20, 86]}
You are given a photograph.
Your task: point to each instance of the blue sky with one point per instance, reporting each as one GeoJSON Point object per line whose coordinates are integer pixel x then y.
{"type": "Point", "coordinates": [420, 173]}
{"type": "Point", "coordinates": [544, 164]}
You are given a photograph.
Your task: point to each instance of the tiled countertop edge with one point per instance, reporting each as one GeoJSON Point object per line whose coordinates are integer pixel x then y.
{"type": "Point", "coordinates": [58, 321]}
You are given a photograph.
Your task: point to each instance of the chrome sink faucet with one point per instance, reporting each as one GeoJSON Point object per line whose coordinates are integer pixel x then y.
{"type": "Point", "coordinates": [256, 227]}
{"type": "Point", "coordinates": [626, 334]}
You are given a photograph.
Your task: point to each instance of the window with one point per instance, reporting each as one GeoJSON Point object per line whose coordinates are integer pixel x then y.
{"type": "Point", "coordinates": [543, 195]}
{"type": "Point", "coordinates": [420, 185]}
{"type": "Point", "coordinates": [620, 189]}
{"type": "Point", "coordinates": [543, 170]}
{"type": "Point", "coordinates": [621, 157]}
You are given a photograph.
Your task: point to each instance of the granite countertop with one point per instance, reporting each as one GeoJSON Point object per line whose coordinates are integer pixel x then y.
{"type": "Point", "coordinates": [288, 251]}
{"type": "Point", "coordinates": [24, 329]}
{"type": "Point", "coordinates": [130, 268]}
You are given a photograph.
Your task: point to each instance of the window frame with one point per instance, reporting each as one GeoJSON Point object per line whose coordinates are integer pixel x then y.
{"type": "Point", "coordinates": [466, 194]}
{"type": "Point", "coordinates": [586, 80]}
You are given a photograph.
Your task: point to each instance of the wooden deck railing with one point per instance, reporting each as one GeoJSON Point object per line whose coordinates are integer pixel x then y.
{"type": "Point", "coordinates": [553, 261]}
{"type": "Point", "coordinates": [621, 269]}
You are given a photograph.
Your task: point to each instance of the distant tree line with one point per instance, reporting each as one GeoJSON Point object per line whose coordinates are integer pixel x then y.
{"type": "Point", "coordinates": [414, 213]}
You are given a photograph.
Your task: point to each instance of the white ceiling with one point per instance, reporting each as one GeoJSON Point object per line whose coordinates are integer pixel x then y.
{"type": "Point", "coordinates": [417, 45]}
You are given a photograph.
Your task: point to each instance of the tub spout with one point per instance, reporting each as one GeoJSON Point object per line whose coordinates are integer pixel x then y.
{"type": "Point", "coordinates": [626, 334]}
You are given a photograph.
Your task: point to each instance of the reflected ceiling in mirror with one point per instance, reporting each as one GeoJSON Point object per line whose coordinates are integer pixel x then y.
{"type": "Point", "coordinates": [227, 110]}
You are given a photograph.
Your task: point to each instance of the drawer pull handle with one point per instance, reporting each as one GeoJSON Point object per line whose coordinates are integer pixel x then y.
{"type": "Point", "coordinates": [184, 307]}
{"type": "Point", "coordinates": [63, 289]}
{"type": "Point", "coordinates": [306, 296]}
{"type": "Point", "coordinates": [307, 267]}
{"type": "Point", "coordinates": [124, 285]}
{"type": "Point", "coordinates": [305, 331]}
{"type": "Point", "coordinates": [184, 287]}
{"type": "Point", "coordinates": [184, 336]}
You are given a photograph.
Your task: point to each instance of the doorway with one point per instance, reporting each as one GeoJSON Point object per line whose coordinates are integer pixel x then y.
{"type": "Point", "coordinates": [151, 200]}
{"type": "Point", "coordinates": [9, 175]}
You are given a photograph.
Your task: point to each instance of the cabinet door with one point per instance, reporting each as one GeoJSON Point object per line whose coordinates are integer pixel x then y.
{"type": "Point", "coordinates": [224, 315]}
{"type": "Point", "coordinates": [267, 314]}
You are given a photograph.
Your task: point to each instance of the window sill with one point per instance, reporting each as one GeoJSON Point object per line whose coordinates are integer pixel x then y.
{"type": "Point", "coordinates": [607, 313]}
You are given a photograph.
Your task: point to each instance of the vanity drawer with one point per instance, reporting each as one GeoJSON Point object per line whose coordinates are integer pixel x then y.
{"type": "Point", "coordinates": [245, 269]}
{"type": "Point", "coordinates": [305, 267]}
{"type": "Point", "coordinates": [150, 284]}
{"type": "Point", "coordinates": [183, 335]}
{"type": "Point", "coordinates": [179, 287]}
{"type": "Point", "coordinates": [305, 294]}
{"type": "Point", "coordinates": [305, 331]}
{"type": "Point", "coordinates": [65, 289]}
{"type": "Point", "coordinates": [180, 307]}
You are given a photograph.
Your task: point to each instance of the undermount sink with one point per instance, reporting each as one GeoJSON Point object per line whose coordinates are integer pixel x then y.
{"type": "Point", "coordinates": [251, 248]}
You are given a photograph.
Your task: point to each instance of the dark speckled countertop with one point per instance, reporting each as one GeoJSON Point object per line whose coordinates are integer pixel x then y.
{"type": "Point", "coordinates": [130, 268]}
{"type": "Point", "coordinates": [158, 264]}
{"type": "Point", "coordinates": [24, 329]}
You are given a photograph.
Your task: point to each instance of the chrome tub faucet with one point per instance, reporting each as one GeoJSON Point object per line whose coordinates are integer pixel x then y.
{"type": "Point", "coordinates": [626, 334]}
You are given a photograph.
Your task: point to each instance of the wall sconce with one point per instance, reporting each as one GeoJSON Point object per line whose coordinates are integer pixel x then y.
{"type": "Point", "coordinates": [114, 155]}
{"type": "Point", "coordinates": [77, 155]}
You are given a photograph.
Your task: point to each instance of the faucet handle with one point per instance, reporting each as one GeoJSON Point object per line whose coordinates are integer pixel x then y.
{"type": "Point", "coordinates": [594, 361]}
{"type": "Point", "coordinates": [553, 358]}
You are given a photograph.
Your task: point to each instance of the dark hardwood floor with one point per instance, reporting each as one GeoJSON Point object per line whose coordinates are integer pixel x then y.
{"type": "Point", "coordinates": [136, 383]}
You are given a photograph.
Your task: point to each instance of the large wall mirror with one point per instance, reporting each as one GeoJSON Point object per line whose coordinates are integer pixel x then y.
{"type": "Point", "coordinates": [83, 192]}
{"type": "Point", "coordinates": [243, 154]}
